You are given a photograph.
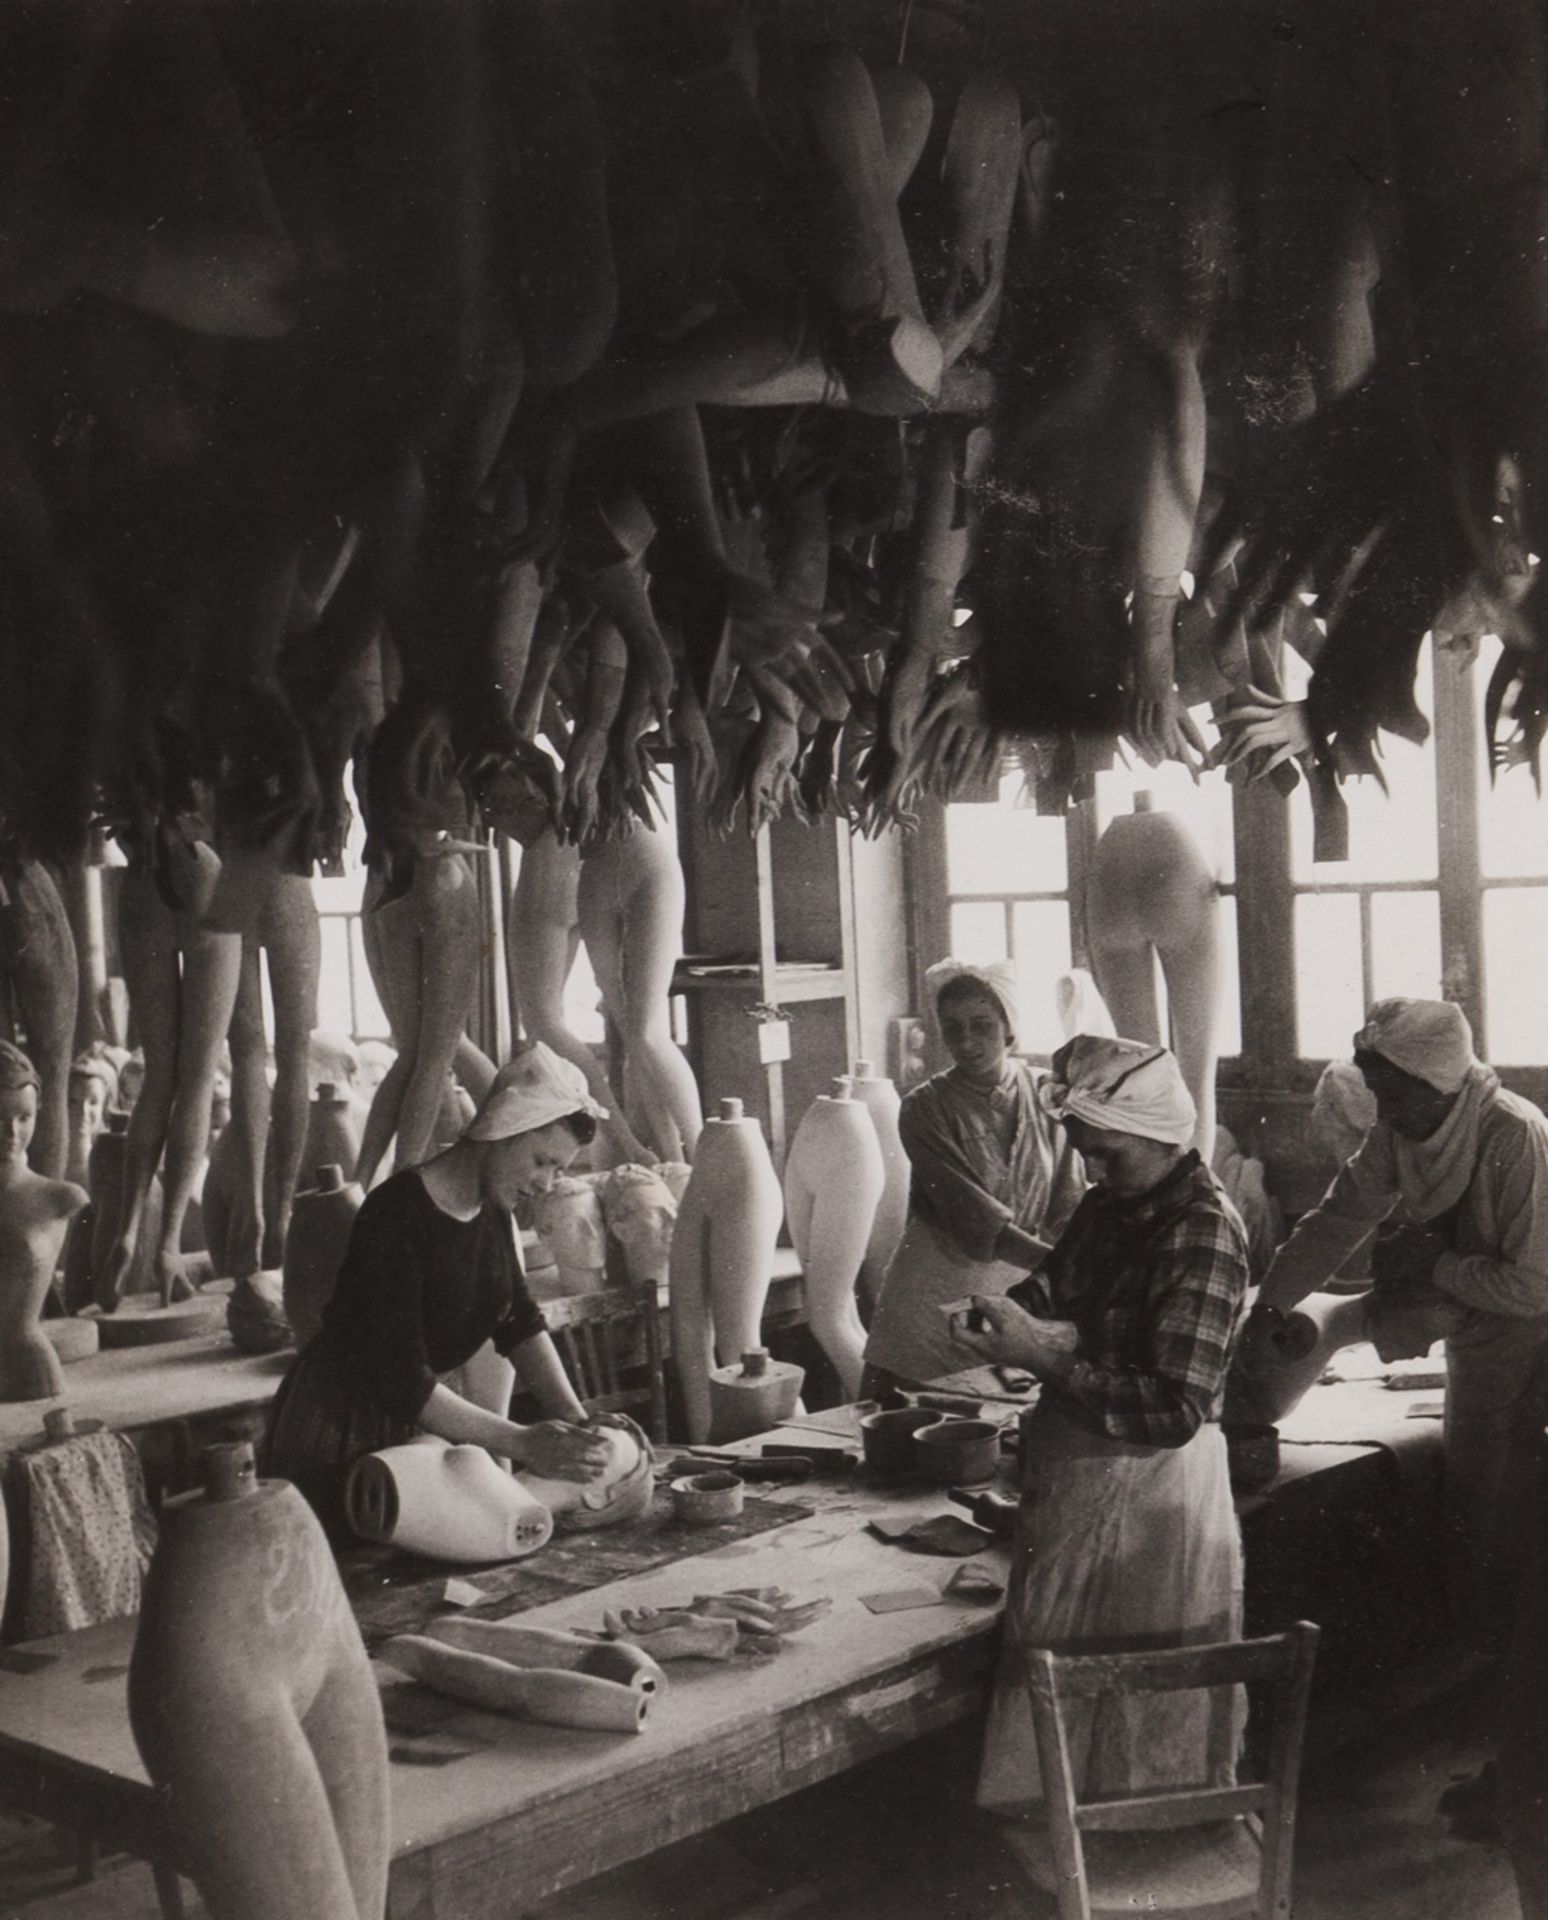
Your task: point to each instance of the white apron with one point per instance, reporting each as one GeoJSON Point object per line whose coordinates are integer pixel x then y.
{"type": "Point", "coordinates": [1118, 1548]}
{"type": "Point", "coordinates": [909, 1335]}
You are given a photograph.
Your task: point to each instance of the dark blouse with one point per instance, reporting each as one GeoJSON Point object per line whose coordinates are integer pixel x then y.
{"type": "Point", "coordinates": [419, 1292]}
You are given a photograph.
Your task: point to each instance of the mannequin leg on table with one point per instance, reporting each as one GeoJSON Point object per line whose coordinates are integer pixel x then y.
{"type": "Point", "coordinates": [830, 1237]}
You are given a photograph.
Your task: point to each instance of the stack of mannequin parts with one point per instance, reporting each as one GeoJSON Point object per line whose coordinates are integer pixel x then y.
{"type": "Point", "coordinates": [834, 1179]}
{"type": "Point", "coordinates": [722, 1255]}
{"type": "Point", "coordinates": [452, 1503]}
{"type": "Point", "coordinates": [880, 1099]}
{"type": "Point", "coordinates": [555, 1695]}
{"type": "Point", "coordinates": [254, 1708]}
{"type": "Point", "coordinates": [314, 1248]}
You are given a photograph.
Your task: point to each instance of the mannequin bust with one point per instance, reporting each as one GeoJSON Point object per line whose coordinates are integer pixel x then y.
{"type": "Point", "coordinates": [722, 1256]}
{"type": "Point", "coordinates": [834, 1178]}
{"type": "Point", "coordinates": [569, 1218]}
{"type": "Point", "coordinates": [1153, 897]}
{"type": "Point", "coordinates": [641, 1212]}
{"type": "Point", "coordinates": [35, 1213]}
{"type": "Point", "coordinates": [38, 966]}
{"type": "Point", "coordinates": [272, 1767]}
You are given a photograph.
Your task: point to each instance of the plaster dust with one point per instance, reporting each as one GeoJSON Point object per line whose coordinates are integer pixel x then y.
{"type": "Point", "coordinates": [888, 1844]}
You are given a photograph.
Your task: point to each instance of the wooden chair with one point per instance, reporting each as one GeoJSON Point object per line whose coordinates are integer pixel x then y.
{"type": "Point", "coordinates": [1237, 1861]}
{"type": "Point", "coordinates": [603, 1334]}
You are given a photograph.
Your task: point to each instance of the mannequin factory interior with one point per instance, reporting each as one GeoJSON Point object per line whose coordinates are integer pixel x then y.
{"type": "Point", "coordinates": [773, 885]}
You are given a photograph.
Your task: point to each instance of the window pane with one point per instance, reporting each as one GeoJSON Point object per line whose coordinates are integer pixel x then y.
{"type": "Point", "coordinates": [1405, 945]}
{"type": "Point", "coordinates": [334, 1010]}
{"type": "Point", "coordinates": [978, 933]}
{"type": "Point", "coordinates": [1205, 806]}
{"type": "Point", "coordinates": [1515, 922]}
{"type": "Point", "coordinates": [1392, 834]}
{"type": "Point", "coordinates": [1329, 985]}
{"type": "Point", "coordinates": [1003, 847]}
{"type": "Point", "coordinates": [1040, 931]}
{"type": "Point", "coordinates": [1512, 816]}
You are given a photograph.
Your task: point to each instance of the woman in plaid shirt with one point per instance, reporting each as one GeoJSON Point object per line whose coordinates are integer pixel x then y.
{"type": "Point", "coordinates": [1127, 1536]}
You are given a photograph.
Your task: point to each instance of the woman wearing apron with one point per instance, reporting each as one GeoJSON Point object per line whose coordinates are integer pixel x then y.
{"type": "Point", "coordinates": [1126, 1536]}
{"type": "Point", "coordinates": [1457, 1169]}
{"type": "Point", "coordinates": [991, 1181]}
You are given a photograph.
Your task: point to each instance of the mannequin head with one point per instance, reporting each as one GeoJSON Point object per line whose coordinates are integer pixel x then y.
{"type": "Point", "coordinates": [640, 1211]}
{"type": "Point", "coordinates": [131, 1077]}
{"type": "Point", "coordinates": [569, 1217]}
{"type": "Point", "coordinates": [19, 1089]}
{"type": "Point", "coordinates": [93, 1089]}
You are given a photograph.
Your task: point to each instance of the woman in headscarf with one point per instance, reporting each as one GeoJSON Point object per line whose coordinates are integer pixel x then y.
{"type": "Point", "coordinates": [1126, 1535]}
{"type": "Point", "coordinates": [1458, 1168]}
{"type": "Point", "coordinates": [431, 1273]}
{"type": "Point", "coordinates": [991, 1182]}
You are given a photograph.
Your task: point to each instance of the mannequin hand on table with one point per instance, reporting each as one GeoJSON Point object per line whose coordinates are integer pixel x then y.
{"type": "Point", "coordinates": [1008, 1333]}
{"type": "Point", "coordinates": [560, 1451]}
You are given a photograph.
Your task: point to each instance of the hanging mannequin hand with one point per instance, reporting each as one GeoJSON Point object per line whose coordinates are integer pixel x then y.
{"type": "Point", "coordinates": [560, 1451]}
{"type": "Point", "coordinates": [1006, 1332]}
{"type": "Point", "coordinates": [1260, 725]}
{"type": "Point", "coordinates": [1162, 728]}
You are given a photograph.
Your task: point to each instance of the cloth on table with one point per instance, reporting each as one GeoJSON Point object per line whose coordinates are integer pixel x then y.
{"type": "Point", "coordinates": [965, 1186]}
{"type": "Point", "coordinates": [1101, 1565]}
{"type": "Point", "coordinates": [90, 1532]}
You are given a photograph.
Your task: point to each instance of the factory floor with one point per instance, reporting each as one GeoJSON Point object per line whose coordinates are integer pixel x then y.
{"type": "Point", "coordinates": [898, 1840]}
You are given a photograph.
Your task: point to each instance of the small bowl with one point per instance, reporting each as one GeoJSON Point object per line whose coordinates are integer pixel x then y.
{"type": "Point", "coordinates": [957, 1453]}
{"type": "Point", "coordinates": [702, 1497]}
{"type": "Point", "coordinates": [888, 1438]}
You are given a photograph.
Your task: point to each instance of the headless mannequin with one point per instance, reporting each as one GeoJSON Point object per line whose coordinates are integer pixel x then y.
{"type": "Point", "coordinates": [630, 903]}
{"type": "Point", "coordinates": [273, 1766]}
{"type": "Point", "coordinates": [268, 1131]}
{"type": "Point", "coordinates": [34, 1215]}
{"type": "Point", "coordinates": [1152, 897]}
{"type": "Point", "coordinates": [722, 1256]}
{"type": "Point", "coordinates": [834, 1179]}
{"type": "Point", "coordinates": [38, 965]}
{"type": "Point", "coordinates": [422, 948]}
{"type": "Point", "coordinates": [542, 939]}
{"type": "Point", "coordinates": [182, 982]}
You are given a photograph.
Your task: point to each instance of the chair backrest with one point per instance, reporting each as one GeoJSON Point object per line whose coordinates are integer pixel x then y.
{"type": "Point", "coordinates": [601, 1336]}
{"type": "Point", "coordinates": [1282, 1666]}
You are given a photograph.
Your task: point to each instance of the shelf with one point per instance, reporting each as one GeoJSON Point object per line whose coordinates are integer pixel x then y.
{"type": "Point", "coordinates": [795, 981]}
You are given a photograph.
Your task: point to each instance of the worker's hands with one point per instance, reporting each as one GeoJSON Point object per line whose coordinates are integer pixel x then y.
{"type": "Point", "coordinates": [1406, 1254]}
{"type": "Point", "coordinates": [560, 1451]}
{"type": "Point", "coordinates": [1005, 1331]}
{"type": "Point", "coordinates": [1406, 1320]}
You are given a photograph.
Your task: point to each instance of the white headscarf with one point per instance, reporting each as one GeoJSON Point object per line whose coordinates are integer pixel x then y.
{"type": "Point", "coordinates": [534, 1088]}
{"type": "Point", "coordinates": [1121, 1086]}
{"type": "Point", "coordinates": [1428, 1038]}
{"type": "Point", "coordinates": [998, 980]}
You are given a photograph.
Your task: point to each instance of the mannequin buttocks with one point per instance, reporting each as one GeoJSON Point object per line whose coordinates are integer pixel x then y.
{"type": "Point", "coordinates": [254, 1708]}
{"type": "Point", "coordinates": [1153, 897]}
{"type": "Point", "coordinates": [834, 1178]}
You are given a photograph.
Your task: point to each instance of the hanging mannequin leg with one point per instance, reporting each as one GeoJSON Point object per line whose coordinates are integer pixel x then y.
{"type": "Point", "coordinates": [1126, 977]}
{"type": "Point", "coordinates": [292, 945]}
{"type": "Point", "coordinates": [1192, 970]}
{"type": "Point", "coordinates": [237, 1252]}
{"type": "Point", "coordinates": [212, 968]}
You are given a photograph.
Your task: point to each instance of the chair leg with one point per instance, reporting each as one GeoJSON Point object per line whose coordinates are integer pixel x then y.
{"type": "Point", "coordinates": [169, 1891]}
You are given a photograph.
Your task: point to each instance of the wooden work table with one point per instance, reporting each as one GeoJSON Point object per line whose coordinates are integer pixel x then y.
{"type": "Point", "coordinates": [516, 1812]}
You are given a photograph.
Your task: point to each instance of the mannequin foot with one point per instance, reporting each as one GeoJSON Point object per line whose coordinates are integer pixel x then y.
{"type": "Point", "coordinates": [172, 1283]}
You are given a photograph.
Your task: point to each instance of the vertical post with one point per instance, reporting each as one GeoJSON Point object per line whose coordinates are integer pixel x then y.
{"type": "Point", "coordinates": [1265, 930]}
{"type": "Point", "coordinates": [768, 985]}
{"type": "Point", "coordinates": [1461, 871]}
